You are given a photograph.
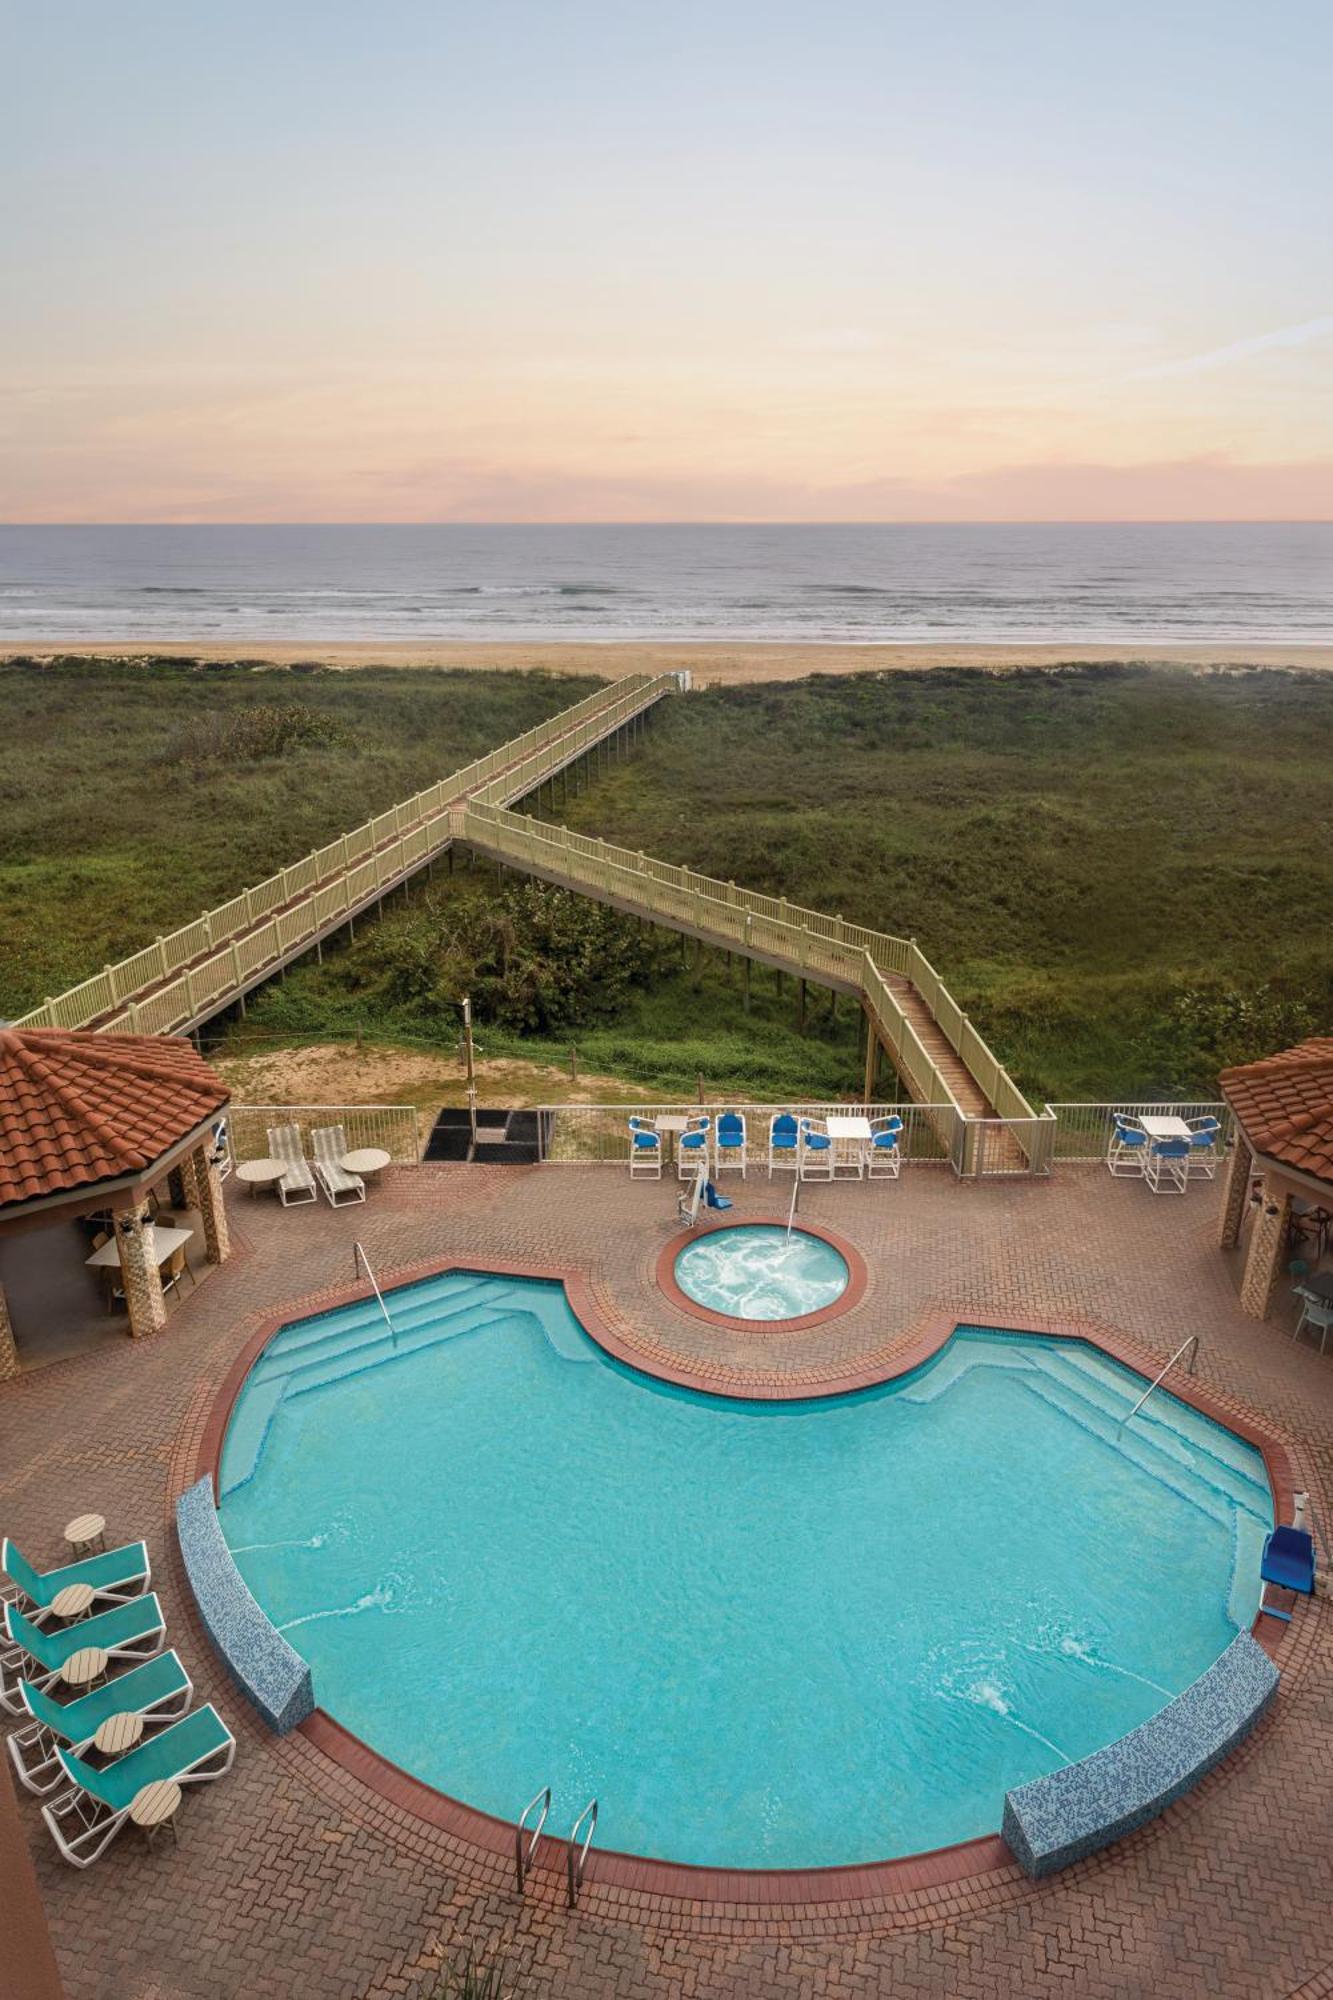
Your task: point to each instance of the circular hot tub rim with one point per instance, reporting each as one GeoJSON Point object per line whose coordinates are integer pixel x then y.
{"type": "Point", "coordinates": [852, 1293]}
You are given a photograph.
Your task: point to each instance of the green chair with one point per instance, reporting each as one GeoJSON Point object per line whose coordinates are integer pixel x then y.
{"type": "Point", "coordinates": [85, 1820]}
{"type": "Point", "coordinates": [159, 1691]}
{"type": "Point", "coordinates": [113, 1576]}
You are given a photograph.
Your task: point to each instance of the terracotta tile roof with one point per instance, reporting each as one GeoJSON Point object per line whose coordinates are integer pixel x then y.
{"type": "Point", "coordinates": [77, 1107]}
{"type": "Point", "coordinates": [1285, 1106]}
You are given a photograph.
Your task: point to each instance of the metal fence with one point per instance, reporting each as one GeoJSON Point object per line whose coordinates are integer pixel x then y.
{"type": "Point", "coordinates": [1083, 1131]}
{"type": "Point", "coordinates": [592, 1134]}
{"type": "Point", "coordinates": [392, 1127]}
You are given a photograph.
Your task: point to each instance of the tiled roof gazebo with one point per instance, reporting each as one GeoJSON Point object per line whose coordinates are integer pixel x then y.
{"type": "Point", "coordinates": [1283, 1108]}
{"type": "Point", "coordinates": [89, 1122]}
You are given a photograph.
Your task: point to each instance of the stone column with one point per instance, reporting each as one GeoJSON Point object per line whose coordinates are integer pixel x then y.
{"type": "Point", "coordinates": [9, 1359]}
{"type": "Point", "coordinates": [143, 1282]}
{"type": "Point", "coordinates": [207, 1198]}
{"type": "Point", "coordinates": [1265, 1255]}
{"type": "Point", "coordinates": [1237, 1194]}
{"type": "Point", "coordinates": [187, 1174]}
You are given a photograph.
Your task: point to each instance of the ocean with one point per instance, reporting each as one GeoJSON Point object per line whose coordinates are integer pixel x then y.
{"type": "Point", "coordinates": [1115, 584]}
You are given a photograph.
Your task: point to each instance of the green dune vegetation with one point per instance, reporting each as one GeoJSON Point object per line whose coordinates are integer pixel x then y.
{"type": "Point", "coordinates": [1119, 871]}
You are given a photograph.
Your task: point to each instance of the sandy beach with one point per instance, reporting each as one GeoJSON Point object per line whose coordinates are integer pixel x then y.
{"type": "Point", "coordinates": [714, 664]}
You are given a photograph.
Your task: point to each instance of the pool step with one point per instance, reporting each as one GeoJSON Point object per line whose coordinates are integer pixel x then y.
{"type": "Point", "coordinates": [1183, 1436]}
{"type": "Point", "coordinates": [1243, 1600]}
{"type": "Point", "coordinates": [1167, 1471]}
{"type": "Point", "coordinates": [380, 1347]}
{"type": "Point", "coordinates": [1123, 1388]}
{"type": "Point", "coordinates": [938, 1377]}
{"type": "Point", "coordinates": [246, 1434]}
{"type": "Point", "coordinates": [406, 1307]}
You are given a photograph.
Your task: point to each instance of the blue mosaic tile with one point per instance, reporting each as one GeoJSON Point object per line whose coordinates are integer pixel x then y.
{"type": "Point", "coordinates": [268, 1671]}
{"type": "Point", "coordinates": [1056, 1820]}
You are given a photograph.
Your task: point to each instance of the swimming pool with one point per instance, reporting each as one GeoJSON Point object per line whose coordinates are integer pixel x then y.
{"type": "Point", "coordinates": [763, 1634]}
{"type": "Point", "coordinates": [755, 1271]}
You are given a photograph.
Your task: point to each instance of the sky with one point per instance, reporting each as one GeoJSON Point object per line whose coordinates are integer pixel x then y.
{"type": "Point", "coordinates": [551, 260]}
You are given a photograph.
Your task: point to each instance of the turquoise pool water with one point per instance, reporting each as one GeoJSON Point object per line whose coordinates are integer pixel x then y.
{"type": "Point", "coordinates": [764, 1635]}
{"type": "Point", "coordinates": [754, 1272]}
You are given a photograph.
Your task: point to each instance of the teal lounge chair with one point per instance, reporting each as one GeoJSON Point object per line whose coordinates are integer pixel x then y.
{"type": "Point", "coordinates": [133, 1631]}
{"type": "Point", "coordinates": [86, 1820]}
{"type": "Point", "coordinates": [114, 1576]}
{"type": "Point", "coordinates": [159, 1691]}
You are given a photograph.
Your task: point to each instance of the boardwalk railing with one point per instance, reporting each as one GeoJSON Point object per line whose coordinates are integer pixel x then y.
{"type": "Point", "coordinates": [392, 1127]}
{"type": "Point", "coordinates": [222, 952]}
{"type": "Point", "coordinates": [588, 1134]}
{"type": "Point", "coordinates": [807, 942]}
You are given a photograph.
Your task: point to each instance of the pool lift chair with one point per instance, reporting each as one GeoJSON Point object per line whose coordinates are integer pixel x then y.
{"type": "Point", "coordinates": [1288, 1562]}
{"type": "Point", "coordinates": [702, 1195]}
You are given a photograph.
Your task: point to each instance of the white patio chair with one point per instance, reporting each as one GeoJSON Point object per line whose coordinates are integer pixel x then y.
{"type": "Point", "coordinates": [1167, 1167]}
{"type": "Point", "coordinates": [1204, 1151]}
{"type": "Point", "coordinates": [883, 1155]}
{"type": "Point", "coordinates": [328, 1143]}
{"type": "Point", "coordinates": [729, 1144]}
{"type": "Point", "coordinates": [298, 1183]}
{"type": "Point", "coordinates": [784, 1144]}
{"type": "Point", "coordinates": [816, 1153]}
{"type": "Point", "coordinates": [1127, 1149]}
{"type": "Point", "coordinates": [1314, 1313]}
{"type": "Point", "coordinates": [645, 1151]}
{"type": "Point", "coordinates": [692, 1151]}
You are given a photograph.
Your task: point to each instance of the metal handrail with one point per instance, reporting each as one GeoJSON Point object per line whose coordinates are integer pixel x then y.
{"type": "Point", "coordinates": [360, 1260]}
{"type": "Point", "coordinates": [574, 1870]}
{"type": "Point", "coordinates": [1192, 1342]}
{"type": "Point", "coordinates": [522, 1860]}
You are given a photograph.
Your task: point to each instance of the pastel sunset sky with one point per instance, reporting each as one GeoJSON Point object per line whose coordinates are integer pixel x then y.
{"type": "Point", "coordinates": [715, 260]}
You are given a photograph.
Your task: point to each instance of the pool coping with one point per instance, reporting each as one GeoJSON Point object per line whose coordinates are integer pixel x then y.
{"type": "Point", "coordinates": [852, 1293]}
{"type": "Point", "coordinates": [737, 1888]}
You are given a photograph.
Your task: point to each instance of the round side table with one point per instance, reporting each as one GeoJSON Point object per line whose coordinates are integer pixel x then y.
{"type": "Point", "coordinates": [85, 1668]}
{"type": "Point", "coordinates": [86, 1531]}
{"type": "Point", "coordinates": [118, 1734]}
{"type": "Point", "coordinates": [74, 1601]}
{"type": "Point", "coordinates": [368, 1161]}
{"type": "Point", "coordinates": [259, 1174]}
{"type": "Point", "coordinates": [155, 1807]}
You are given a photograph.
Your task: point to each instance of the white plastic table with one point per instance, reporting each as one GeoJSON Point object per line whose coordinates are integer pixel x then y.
{"type": "Point", "coordinates": [257, 1174]}
{"type": "Point", "coordinates": [161, 1243]}
{"type": "Point", "coordinates": [849, 1133]}
{"type": "Point", "coordinates": [366, 1160]}
{"type": "Point", "coordinates": [670, 1125]}
{"type": "Point", "coordinates": [1166, 1128]}
{"type": "Point", "coordinates": [85, 1530]}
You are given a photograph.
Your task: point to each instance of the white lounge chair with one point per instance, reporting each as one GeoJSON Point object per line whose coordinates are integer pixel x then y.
{"type": "Point", "coordinates": [86, 1819]}
{"type": "Point", "coordinates": [328, 1143]}
{"type": "Point", "coordinates": [159, 1691]}
{"type": "Point", "coordinates": [298, 1183]}
{"type": "Point", "coordinates": [132, 1631]}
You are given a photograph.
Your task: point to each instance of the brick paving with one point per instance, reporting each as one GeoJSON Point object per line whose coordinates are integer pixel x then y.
{"type": "Point", "coordinates": [295, 1877]}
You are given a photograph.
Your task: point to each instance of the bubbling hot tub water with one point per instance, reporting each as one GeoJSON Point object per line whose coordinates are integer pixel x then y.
{"type": "Point", "coordinates": [757, 1272]}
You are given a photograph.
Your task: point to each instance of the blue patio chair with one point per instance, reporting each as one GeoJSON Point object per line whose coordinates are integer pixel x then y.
{"type": "Point", "coordinates": [883, 1157]}
{"type": "Point", "coordinates": [645, 1151]}
{"type": "Point", "coordinates": [158, 1691]}
{"type": "Point", "coordinates": [1168, 1166]}
{"type": "Point", "coordinates": [112, 1576]}
{"type": "Point", "coordinates": [729, 1144]}
{"type": "Point", "coordinates": [692, 1151]}
{"type": "Point", "coordinates": [1127, 1148]}
{"type": "Point", "coordinates": [133, 1631]}
{"type": "Point", "coordinates": [1203, 1147]}
{"type": "Point", "coordinates": [1288, 1562]}
{"type": "Point", "coordinates": [784, 1144]}
{"type": "Point", "coordinates": [816, 1153]}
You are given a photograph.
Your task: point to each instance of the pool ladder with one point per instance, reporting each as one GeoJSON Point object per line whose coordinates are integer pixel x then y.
{"type": "Point", "coordinates": [361, 1262]}
{"type": "Point", "coordinates": [576, 1858]}
{"type": "Point", "coordinates": [1190, 1346]}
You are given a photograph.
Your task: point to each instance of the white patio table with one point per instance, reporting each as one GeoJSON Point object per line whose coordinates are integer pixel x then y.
{"type": "Point", "coordinates": [850, 1136]}
{"type": "Point", "coordinates": [160, 1245]}
{"type": "Point", "coordinates": [1166, 1128]}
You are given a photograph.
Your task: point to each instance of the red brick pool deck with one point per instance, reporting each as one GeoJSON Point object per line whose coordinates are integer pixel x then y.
{"type": "Point", "coordinates": [297, 1875]}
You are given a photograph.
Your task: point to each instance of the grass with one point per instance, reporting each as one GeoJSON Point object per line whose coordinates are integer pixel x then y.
{"type": "Point", "coordinates": [1120, 872]}
{"type": "Point", "coordinates": [132, 797]}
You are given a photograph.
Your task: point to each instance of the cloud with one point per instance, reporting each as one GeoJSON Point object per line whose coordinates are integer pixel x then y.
{"type": "Point", "coordinates": [1239, 350]}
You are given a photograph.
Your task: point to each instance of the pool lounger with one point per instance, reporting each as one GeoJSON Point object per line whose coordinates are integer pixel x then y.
{"type": "Point", "coordinates": [133, 1631]}
{"type": "Point", "coordinates": [160, 1691]}
{"type": "Point", "coordinates": [86, 1819]}
{"type": "Point", "coordinates": [113, 1577]}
